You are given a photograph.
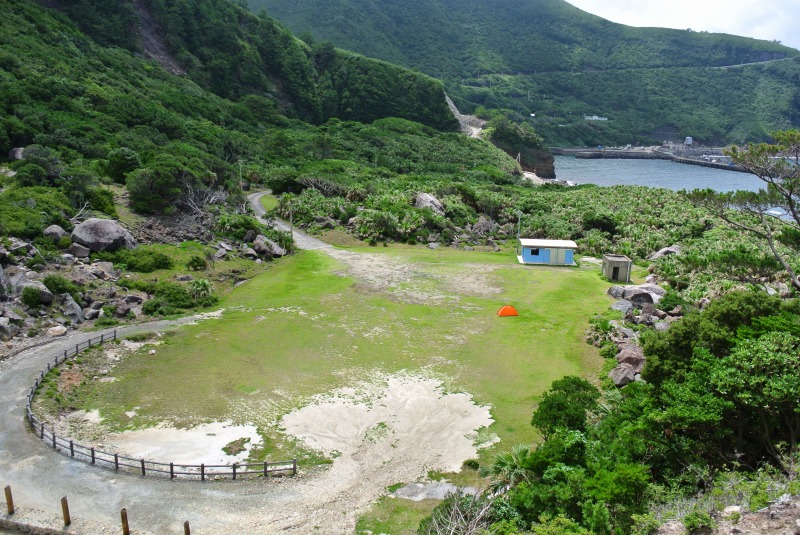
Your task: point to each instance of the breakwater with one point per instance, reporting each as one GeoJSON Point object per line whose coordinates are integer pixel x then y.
{"type": "Point", "coordinates": [645, 154]}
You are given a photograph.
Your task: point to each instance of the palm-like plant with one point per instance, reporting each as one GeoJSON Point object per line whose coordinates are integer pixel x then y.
{"type": "Point", "coordinates": [508, 468]}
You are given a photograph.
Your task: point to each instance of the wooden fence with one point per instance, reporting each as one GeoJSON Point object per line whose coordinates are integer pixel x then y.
{"type": "Point", "coordinates": [142, 467]}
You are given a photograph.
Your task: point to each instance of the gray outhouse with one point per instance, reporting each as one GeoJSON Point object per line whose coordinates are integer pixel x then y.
{"type": "Point", "coordinates": [617, 267]}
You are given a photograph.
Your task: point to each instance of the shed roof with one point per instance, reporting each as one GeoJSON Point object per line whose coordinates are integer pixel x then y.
{"type": "Point", "coordinates": [544, 244]}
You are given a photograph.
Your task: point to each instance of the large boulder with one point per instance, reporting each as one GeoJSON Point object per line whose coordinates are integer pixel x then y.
{"type": "Point", "coordinates": [102, 235]}
{"type": "Point", "coordinates": [622, 375]}
{"type": "Point", "coordinates": [55, 233]}
{"type": "Point", "coordinates": [4, 284]}
{"type": "Point", "coordinates": [72, 310]}
{"type": "Point", "coordinates": [7, 329]}
{"type": "Point", "coordinates": [633, 356]}
{"type": "Point", "coordinates": [426, 200]}
{"type": "Point", "coordinates": [79, 251]}
{"type": "Point", "coordinates": [266, 247]}
{"type": "Point", "coordinates": [666, 251]}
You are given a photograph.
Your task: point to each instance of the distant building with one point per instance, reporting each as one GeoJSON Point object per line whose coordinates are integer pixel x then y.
{"type": "Point", "coordinates": [594, 118]}
{"type": "Point", "coordinates": [688, 140]}
{"type": "Point", "coordinates": [546, 252]}
{"type": "Point", "coordinates": [617, 267]}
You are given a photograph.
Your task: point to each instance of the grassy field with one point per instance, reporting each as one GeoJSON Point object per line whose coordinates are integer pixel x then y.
{"type": "Point", "coordinates": [302, 329]}
{"type": "Point", "coordinates": [307, 326]}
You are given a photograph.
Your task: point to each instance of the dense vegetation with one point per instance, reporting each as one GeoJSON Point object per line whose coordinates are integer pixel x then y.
{"type": "Point", "coordinates": [549, 58]}
{"type": "Point", "coordinates": [716, 423]}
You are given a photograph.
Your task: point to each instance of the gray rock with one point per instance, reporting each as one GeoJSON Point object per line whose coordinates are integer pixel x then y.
{"type": "Point", "coordinates": [97, 305]}
{"type": "Point", "coordinates": [58, 330]}
{"type": "Point", "coordinates": [649, 288]}
{"type": "Point", "coordinates": [249, 236]}
{"type": "Point", "coordinates": [19, 247]}
{"type": "Point", "coordinates": [325, 223]}
{"type": "Point", "coordinates": [45, 295]}
{"type": "Point", "coordinates": [185, 278]}
{"type": "Point", "coordinates": [640, 298]}
{"type": "Point", "coordinates": [17, 153]}
{"type": "Point", "coordinates": [79, 251]}
{"type": "Point", "coordinates": [648, 308]}
{"type": "Point", "coordinates": [104, 271]}
{"type": "Point", "coordinates": [5, 285]}
{"type": "Point", "coordinates": [622, 375]}
{"type": "Point", "coordinates": [7, 329]}
{"type": "Point", "coordinates": [617, 292]}
{"type": "Point", "coordinates": [72, 310]}
{"type": "Point", "coordinates": [433, 246]}
{"type": "Point", "coordinates": [623, 306]}
{"type": "Point", "coordinates": [68, 258]}
{"type": "Point", "coordinates": [662, 326]}
{"type": "Point", "coordinates": [631, 355]}
{"type": "Point", "coordinates": [55, 233]}
{"type": "Point", "coordinates": [266, 247]}
{"type": "Point", "coordinates": [227, 247]}
{"type": "Point", "coordinates": [133, 300]}
{"type": "Point", "coordinates": [703, 303]}
{"type": "Point", "coordinates": [220, 254]}
{"type": "Point", "coordinates": [90, 314]}
{"type": "Point", "coordinates": [102, 235]}
{"type": "Point", "coordinates": [484, 227]}
{"type": "Point", "coordinates": [248, 252]}
{"type": "Point", "coordinates": [426, 200]}
{"type": "Point", "coordinates": [677, 311]}
{"type": "Point", "coordinates": [666, 251]}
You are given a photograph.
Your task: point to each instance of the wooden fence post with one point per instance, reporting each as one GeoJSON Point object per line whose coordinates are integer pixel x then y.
{"type": "Point", "coordinates": [266, 465]}
{"type": "Point", "coordinates": [234, 471]}
{"type": "Point", "coordinates": [65, 511]}
{"type": "Point", "coordinates": [41, 431]}
{"type": "Point", "coordinates": [202, 472]}
{"type": "Point", "coordinates": [116, 463]}
{"type": "Point", "coordinates": [143, 472]}
{"type": "Point", "coordinates": [9, 501]}
{"type": "Point", "coordinates": [171, 471]}
{"type": "Point", "coordinates": [54, 438]}
{"type": "Point", "coordinates": [71, 449]}
{"type": "Point", "coordinates": [126, 530]}
{"type": "Point", "coordinates": [186, 530]}
{"type": "Point", "coordinates": [294, 467]}
{"type": "Point", "coordinates": [92, 455]}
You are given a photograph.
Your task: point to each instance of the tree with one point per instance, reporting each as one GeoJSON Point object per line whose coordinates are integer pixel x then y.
{"type": "Point", "coordinates": [508, 468]}
{"type": "Point", "coordinates": [771, 214]}
{"type": "Point", "coordinates": [565, 405]}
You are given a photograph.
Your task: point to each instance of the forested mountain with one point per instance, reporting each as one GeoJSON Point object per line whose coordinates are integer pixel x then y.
{"type": "Point", "coordinates": [91, 114]}
{"type": "Point", "coordinates": [550, 58]}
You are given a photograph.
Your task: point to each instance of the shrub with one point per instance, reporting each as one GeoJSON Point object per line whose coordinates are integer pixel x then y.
{"type": "Point", "coordinates": [61, 285]}
{"type": "Point", "coordinates": [31, 297]}
{"type": "Point", "coordinates": [196, 263]}
{"type": "Point", "coordinates": [139, 260]}
{"type": "Point", "coordinates": [698, 520]}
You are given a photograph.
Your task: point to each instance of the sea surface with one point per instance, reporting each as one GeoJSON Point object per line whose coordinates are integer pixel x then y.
{"type": "Point", "coordinates": [653, 173]}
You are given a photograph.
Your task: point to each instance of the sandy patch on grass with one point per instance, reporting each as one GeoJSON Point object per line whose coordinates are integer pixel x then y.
{"type": "Point", "coordinates": [414, 415]}
{"type": "Point", "coordinates": [415, 282]}
{"type": "Point", "coordinates": [394, 429]}
{"type": "Point", "coordinates": [201, 444]}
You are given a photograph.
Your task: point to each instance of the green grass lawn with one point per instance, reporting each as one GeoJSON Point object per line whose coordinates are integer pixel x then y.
{"type": "Point", "coordinates": [269, 202]}
{"type": "Point", "coordinates": [300, 329]}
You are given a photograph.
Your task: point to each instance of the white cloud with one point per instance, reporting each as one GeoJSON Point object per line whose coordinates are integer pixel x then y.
{"type": "Point", "coordinates": [762, 19]}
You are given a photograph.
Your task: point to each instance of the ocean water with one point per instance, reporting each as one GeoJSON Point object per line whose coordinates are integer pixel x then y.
{"type": "Point", "coordinates": [653, 173]}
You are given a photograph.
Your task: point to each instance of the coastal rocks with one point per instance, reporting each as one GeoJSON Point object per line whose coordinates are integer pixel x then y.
{"type": "Point", "coordinates": [102, 235]}
{"type": "Point", "coordinates": [426, 200]}
{"type": "Point", "coordinates": [666, 251]}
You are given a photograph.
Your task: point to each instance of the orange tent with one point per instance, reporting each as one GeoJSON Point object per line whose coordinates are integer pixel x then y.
{"type": "Point", "coordinates": [507, 310]}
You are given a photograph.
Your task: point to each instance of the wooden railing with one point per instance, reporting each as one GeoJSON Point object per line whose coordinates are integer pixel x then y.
{"type": "Point", "coordinates": [142, 467]}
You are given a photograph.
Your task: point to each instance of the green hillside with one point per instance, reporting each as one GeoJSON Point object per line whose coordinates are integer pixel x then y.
{"type": "Point", "coordinates": [550, 58]}
{"type": "Point", "coordinates": [93, 114]}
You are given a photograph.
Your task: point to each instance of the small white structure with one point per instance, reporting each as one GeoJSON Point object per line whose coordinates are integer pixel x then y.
{"type": "Point", "coordinates": [617, 267]}
{"type": "Point", "coordinates": [546, 252]}
{"type": "Point", "coordinates": [594, 118]}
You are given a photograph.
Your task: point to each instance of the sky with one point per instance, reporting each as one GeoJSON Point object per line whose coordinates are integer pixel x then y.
{"type": "Point", "coordinates": [762, 19]}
